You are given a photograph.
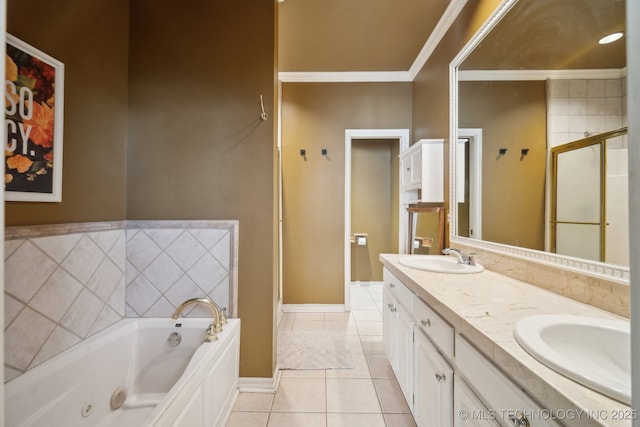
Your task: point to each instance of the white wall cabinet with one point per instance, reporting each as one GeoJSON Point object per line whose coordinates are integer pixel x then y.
{"type": "Point", "coordinates": [422, 168]}
{"type": "Point", "coordinates": [433, 385]}
{"type": "Point", "coordinates": [423, 350]}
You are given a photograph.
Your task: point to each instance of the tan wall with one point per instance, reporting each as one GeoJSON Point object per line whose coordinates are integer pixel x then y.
{"type": "Point", "coordinates": [91, 39]}
{"type": "Point", "coordinates": [374, 205]}
{"type": "Point", "coordinates": [197, 146]}
{"type": "Point", "coordinates": [430, 110]}
{"type": "Point", "coordinates": [315, 116]}
{"type": "Point", "coordinates": [512, 115]}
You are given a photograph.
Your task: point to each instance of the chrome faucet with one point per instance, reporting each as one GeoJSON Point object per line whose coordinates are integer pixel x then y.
{"type": "Point", "coordinates": [462, 257]}
{"type": "Point", "coordinates": [218, 316]}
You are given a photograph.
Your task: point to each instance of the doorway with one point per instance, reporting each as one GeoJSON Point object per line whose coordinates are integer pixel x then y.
{"type": "Point", "coordinates": [352, 136]}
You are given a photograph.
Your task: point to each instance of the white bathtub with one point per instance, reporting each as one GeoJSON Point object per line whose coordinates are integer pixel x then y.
{"type": "Point", "coordinates": [192, 384]}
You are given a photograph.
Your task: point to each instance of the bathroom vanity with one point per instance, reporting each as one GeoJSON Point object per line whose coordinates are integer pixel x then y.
{"type": "Point", "coordinates": [449, 339]}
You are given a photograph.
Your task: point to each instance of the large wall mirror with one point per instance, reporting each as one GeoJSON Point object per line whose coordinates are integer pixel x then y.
{"type": "Point", "coordinates": [539, 116]}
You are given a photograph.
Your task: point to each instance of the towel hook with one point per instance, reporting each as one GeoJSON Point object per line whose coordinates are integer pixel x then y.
{"type": "Point", "coordinates": [263, 116]}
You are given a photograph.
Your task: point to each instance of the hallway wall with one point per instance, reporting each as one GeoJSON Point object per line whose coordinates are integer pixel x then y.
{"type": "Point", "coordinates": [315, 116]}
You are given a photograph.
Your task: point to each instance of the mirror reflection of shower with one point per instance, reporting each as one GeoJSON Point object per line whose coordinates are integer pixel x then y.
{"type": "Point", "coordinates": [589, 198]}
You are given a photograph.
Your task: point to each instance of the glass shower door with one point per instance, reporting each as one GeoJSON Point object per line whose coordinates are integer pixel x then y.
{"type": "Point", "coordinates": [579, 218]}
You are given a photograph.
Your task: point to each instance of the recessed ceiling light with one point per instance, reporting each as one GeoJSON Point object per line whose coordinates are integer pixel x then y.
{"type": "Point", "coordinates": [610, 38]}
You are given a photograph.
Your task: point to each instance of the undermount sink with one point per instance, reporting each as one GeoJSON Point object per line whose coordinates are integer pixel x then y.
{"type": "Point", "coordinates": [591, 351]}
{"type": "Point", "coordinates": [438, 264]}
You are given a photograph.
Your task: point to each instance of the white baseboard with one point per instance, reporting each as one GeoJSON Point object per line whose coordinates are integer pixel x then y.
{"type": "Point", "coordinates": [313, 308]}
{"type": "Point", "coordinates": [260, 385]}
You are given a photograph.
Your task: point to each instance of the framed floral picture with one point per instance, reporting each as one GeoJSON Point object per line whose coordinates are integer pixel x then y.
{"type": "Point", "coordinates": [34, 101]}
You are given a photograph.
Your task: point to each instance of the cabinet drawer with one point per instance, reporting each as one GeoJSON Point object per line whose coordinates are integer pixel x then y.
{"type": "Point", "coordinates": [400, 292]}
{"type": "Point", "coordinates": [494, 387]}
{"type": "Point", "coordinates": [434, 326]}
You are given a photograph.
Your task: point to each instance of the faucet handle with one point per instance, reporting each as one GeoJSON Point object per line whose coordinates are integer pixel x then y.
{"type": "Point", "coordinates": [211, 334]}
{"type": "Point", "coordinates": [471, 258]}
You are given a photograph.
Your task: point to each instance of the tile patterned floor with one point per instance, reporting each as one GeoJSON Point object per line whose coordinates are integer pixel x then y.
{"type": "Point", "coordinates": [367, 395]}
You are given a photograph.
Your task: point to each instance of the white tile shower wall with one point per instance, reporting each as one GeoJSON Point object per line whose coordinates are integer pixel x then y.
{"type": "Point", "coordinates": [66, 282]}
{"type": "Point", "coordinates": [168, 263]}
{"type": "Point", "coordinates": [62, 284]}
{"type": "Point", "coordinates": [584, 105]}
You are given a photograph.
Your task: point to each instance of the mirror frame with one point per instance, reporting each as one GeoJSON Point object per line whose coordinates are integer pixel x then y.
{"type": "Point", "coordinates": [600, 270]}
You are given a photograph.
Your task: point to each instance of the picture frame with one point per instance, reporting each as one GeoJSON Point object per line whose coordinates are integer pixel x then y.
{"type": "Point", "coordinates": [34, 116]}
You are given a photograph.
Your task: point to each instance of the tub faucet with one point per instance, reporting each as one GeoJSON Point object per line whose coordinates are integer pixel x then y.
{"type": "Point", "coordinates": [219, 318]}
{"type": "Point", "coordinates": [462, 257]}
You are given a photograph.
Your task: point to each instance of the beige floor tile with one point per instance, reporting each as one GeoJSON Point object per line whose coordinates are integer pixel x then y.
{"type": "Point", "coordinates": [351, 420]}
{"type": "Point", "coordinates": [369, 328]}
{"type": "Point", "coordinates": [347, 315]}
{"type": "Point", "coordinates": [308, 325]}
{"type": "Point", "coordinates": [248, 419]}
{"type": "Point", "coordinates": [372, 344]}
{"type": "Point", "coordinates": [360, 368]}
{"type": "Point", "coordinates": [353, 344]}
{"type": "Point", "coordinates": [379, 366]}
{"type": "Point", "coordinates": [367, 316]}
{"type": "Point", "coordinates": [310, 316]}
{"type": "Point", "coordinates": [399, 420]}
{"type": "Point", "coordinates": [300, 395]}
{"type": "Point", "coordinates": [390, 396]}
{"type": "Point", "coordinates": [352, 396]}
{"type": "Point", "coordinates": [297, 419]}
{"type": "Point", "coordinates": [286, 322]}
{"type": "Point", "coordinates": [260, 402]}
{"type": "Point", "coordinates": [346, 326]}
{"type": "Point", "coordinates": [303, 373]}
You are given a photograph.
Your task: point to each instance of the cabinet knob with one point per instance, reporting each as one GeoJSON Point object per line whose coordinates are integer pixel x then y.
{"type": "Point", "coordinates": [426, 322]}
{"type": "Point", "coordinates": [442, 377]}
{"type": "Point", "coordinates": [519, 419]}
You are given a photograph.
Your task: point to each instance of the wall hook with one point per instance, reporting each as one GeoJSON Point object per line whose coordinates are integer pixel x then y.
{"type": "Point", "coordinates": [502, 151]}
{"type": "Point", "coordinates": [263, 115]}
{"type": "Point", "coordinates": [303, 153]}
{"type": "Point", "coordinates": [523, 153]}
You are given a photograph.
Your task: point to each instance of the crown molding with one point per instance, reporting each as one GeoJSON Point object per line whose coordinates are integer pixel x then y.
{"type": "Point", "coordinates": [441, 28]}
{"type": "Point", "coordinates": [445, 22]}
{"type": "Point", "coordinates": [344, 76]}
{"type": "Point", "coordinates": [512, 75]}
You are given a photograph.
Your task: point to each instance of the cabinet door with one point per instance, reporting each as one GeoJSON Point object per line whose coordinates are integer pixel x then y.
{"type": "Point", "coordinates": [388, 325]}
{"type": "Point", "coordinates": [433, 386]}
{"type": "Point", "coordinates": [468, 411]}
{"type": "Point", "coordinates": [405, 165]}
{"type": "Point", "coordinates": [404, 352]}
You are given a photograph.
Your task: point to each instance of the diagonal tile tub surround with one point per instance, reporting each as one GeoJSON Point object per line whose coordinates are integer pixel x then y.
{"type": "Point", "coordinates": [66, 282]}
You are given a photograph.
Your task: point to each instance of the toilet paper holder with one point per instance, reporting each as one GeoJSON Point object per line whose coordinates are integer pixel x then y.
{"type": "Point", "coordinates": [359, 239]}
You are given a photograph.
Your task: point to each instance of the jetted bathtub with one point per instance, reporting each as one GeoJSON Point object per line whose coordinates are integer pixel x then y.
{"type": "Point", "coordinates": [137, 373]}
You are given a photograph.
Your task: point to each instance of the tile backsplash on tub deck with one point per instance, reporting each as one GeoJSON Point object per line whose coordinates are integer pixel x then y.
{"type": "Point", "coordinates": [63, 283]}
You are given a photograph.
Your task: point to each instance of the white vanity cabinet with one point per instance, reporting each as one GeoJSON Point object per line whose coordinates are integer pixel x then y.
{"type": "Point", "coordinates": [468, 409]}
{"type": "Point", "coordinates": [398, 332]}
{"type": "Point", "coordinates": [422, 167]}
{"type": "Point", "coordinates": [433, 385]}
{"type": "Point", "coordinates": [511, 406]}
{"type": "Point", "coordinates": [445, 380]}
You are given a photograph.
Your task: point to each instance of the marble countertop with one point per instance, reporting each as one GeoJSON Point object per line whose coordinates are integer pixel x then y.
{"type": "Point", "coordinates": [484, 308]}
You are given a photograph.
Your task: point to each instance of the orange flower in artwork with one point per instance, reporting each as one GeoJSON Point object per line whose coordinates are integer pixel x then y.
{"type": "Point", "coordinates": [20, 163]}
{"type": "Point", "coordinates": [11, 69]}
{"type": "Point", "coordinates": [41, 125]}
